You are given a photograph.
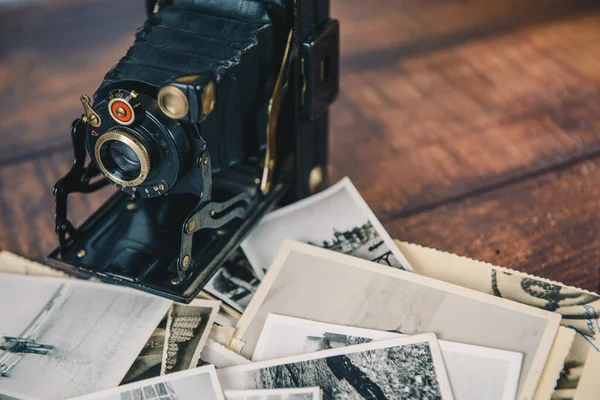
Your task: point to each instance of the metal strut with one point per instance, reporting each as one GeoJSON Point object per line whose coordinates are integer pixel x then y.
{"type": "Point", "coordinates": [208, 215]}
{"type": "Point", "coordinates": [77, 180]}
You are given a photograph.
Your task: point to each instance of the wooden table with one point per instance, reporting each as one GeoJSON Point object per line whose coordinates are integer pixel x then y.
{"type": "Point", "coordinates": [468, 126]}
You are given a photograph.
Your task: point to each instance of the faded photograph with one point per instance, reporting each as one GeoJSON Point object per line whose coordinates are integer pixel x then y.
{"type": "Point", "coordinates": [337, 218]}
{"type": "Point", "coordinates": [64, 338]}
{"type": "Point", "coordinates": [199, 383]}
{"type": "Point", "coordinates": [578, 308]}
{"type": "Point", "coordinates": [475, 373]}
{"type": "Point", "coordinates": [371, 296]}
{"type": "Point", "coordinates": [188, 326]}
{"type": "Point", "coordinates": [380, 371]}
{"type": "Point", "coordinates": [235, 283]}
{"type": "Point", "coordinates": [310, 393]}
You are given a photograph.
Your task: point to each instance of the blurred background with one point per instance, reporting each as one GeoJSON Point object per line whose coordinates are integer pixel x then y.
{"type": "Point", "coordinates": [468, 125]}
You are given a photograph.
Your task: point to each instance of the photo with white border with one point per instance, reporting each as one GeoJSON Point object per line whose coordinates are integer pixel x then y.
{"type": "Point", "coordinates": [337, 218]}
{"type": "Point", "coordinates": [321, 285]}
{"type": "Point", "coordinates": [188, 327]}
{"type": "Point", "coordinates": [407, 367]}
{"type": "Point", "coordinates": [475, 373]}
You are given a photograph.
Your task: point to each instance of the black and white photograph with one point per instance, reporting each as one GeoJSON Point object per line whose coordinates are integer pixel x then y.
{"type": "Point", "coordinates": [235, 282]}
{"type": "Point", "coordinates": [579, 308]}
{"type": "Point", "coordinates": [475, 372]}
{"type": "Point", "coordinates": [63, 338]}
{"type": "Point", "coordinates": [309, 393]}
{"type": "Point", "coordinates": [338, 218]}
{"type": "Point", "coordinates": [321, 285]}
{"type": "Point", "coordinates": [148, 363]}
{"type": "Point", "coordinates": [193, 384]}
{"type": "Point", "coordinates": [220, 356]}
{"type": "Point", "coordinates": [188, 327]}
{"type": "Point", "coordinates": [402, 368]}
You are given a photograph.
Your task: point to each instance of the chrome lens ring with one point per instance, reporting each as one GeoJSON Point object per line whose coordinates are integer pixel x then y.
{"type": "Point", "coordinates": [132, 143]}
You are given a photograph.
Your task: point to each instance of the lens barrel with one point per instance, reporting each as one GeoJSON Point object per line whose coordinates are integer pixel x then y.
{"type": "Point", "coordinates": [122, 158]}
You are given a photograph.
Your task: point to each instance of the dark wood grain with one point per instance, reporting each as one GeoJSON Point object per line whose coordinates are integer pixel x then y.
{"type": "Point", "coordinates": [470, 126]}
{"type": "Point", "coordinates": [547, 225]}
{"type": "Point", "coordinates": [52, 51]}
{"type": "Point", "coordinates": [380, 32]}
{"type": "Point", "coordinates": [443, 124]}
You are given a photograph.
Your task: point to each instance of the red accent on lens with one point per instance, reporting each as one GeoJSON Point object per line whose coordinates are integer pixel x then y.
{"type": "Point", "coordinates": [128, 111]}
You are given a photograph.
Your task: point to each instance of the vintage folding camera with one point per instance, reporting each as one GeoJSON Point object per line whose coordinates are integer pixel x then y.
{"type": "Point", "coordinates": [216, 114]}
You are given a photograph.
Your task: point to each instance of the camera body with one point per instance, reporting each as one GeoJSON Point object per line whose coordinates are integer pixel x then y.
{"type": "Point", "coordinates": [216, 114]}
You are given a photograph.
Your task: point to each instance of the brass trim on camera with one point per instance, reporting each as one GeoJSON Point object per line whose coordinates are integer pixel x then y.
{"type": "Point", "coordinates": [209, 98]}
{"type": "Point", "coordinates": [91, 116]}
{"type": "Point", "coordinates": [173, 102]}
{"type": "Point", "coordinates": [138, 148]}
{"type": "Point", "coordinates": [275, 105]}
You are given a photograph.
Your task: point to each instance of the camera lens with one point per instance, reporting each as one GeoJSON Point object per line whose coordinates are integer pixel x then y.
{"type": "Point", "coordinates": [122, 158]}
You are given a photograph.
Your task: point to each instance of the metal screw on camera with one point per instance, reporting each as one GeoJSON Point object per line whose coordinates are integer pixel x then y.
{"type": "Point", "coordinates": [93, 120]}
{"type": "Point", "coordinates": [191, 225]}
{"type": "Point", "coordinates": [185, 262]}
{"type": "Point", "coordinates": [120, 111]}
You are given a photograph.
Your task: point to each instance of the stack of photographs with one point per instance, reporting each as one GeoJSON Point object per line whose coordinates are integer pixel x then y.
{"type": "Point", "coordinates": [473, 371]}
{"type": "Point", "coordinates": [579, 309]}
{"type": "Point", "coordinates": [319, 303]}
{"type": "Point", "coordinates": [353, 292]}
{"type": "Point", "coordinates": [337, 219]}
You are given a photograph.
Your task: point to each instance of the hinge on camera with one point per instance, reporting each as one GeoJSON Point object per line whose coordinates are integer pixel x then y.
{"type": "Point", "coordinates": [320, 70]}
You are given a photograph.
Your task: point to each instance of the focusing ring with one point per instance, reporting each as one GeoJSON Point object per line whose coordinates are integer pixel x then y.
{"type": "Point", "coordinates": [134, 144]}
